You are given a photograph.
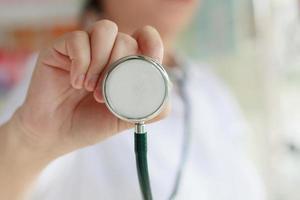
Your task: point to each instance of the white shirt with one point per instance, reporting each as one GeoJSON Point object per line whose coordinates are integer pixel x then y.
{"type": "Point", "coordinates": [216, 167]}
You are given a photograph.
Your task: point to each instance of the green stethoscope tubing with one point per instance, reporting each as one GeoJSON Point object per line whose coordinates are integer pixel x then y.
{"type": "Point", "coordinates": [140, 146]}
{"type": "Point", "coordinates": [140, 136]}
{"type": "Point", "coordinates": [187, 134]}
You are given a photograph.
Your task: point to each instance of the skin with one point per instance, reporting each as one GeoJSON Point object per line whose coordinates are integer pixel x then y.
{"type": "Point", "coordinates": [170, 18]}
{"type": "Point", "coordinates": [64, 109]}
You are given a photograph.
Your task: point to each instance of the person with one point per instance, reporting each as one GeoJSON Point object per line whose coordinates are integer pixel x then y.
{"type": "Point", "coordinates": [61, 142]}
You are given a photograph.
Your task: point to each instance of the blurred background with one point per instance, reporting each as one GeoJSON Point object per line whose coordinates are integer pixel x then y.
{"type": "Point", "coordinates": [254, 45]}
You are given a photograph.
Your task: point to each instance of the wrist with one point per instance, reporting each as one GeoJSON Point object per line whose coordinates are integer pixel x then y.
{"type": "Point", "coordinates": [20, 161]}
{"type": "Point", "coordinates": [18, 148]}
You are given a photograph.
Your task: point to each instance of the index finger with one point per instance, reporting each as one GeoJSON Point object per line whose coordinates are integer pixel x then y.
{"type": "Point", "coordinates": [150, 43]}
{"type": "Point", "coordinates": [75, 46]}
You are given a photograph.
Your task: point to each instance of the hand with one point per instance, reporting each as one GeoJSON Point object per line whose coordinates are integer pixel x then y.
{"type": "Point", "coordinates": [64, 108]}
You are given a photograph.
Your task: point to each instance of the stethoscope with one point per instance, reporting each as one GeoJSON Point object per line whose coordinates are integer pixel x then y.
{"type": "Point", "coordinates": [136, 89]}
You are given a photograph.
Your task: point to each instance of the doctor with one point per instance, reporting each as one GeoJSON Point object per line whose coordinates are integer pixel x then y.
{"type": "Point", "coordinates": [58, 140]}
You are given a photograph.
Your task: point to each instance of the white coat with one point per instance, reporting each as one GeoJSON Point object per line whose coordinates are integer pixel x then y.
{"type": "Point", "coordinates": [216, 167]}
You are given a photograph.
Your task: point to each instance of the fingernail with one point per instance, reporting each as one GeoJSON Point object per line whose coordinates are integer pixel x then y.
{"type": "Point", "coordinates": [92, 82]}
{"type": "Point", "coordinates": [79, 82]}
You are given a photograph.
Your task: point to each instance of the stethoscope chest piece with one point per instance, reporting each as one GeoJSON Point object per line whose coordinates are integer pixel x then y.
{"type": "Point", "coordinates": [136, 88]}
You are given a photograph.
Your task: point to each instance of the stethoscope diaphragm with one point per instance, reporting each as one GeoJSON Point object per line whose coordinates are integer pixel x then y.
{"type": "Point", "coordinates": [136, 88]}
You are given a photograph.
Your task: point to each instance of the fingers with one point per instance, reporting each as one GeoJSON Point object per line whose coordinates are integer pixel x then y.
{"type": "Point", "coordinates": [103, 35]}
{"type": "Point", "coordinates": [86, 54]}
{"type": "Point", "coordinates": [76, 46]}
{"type": "Point", "coordinates": [125, 45]}
{"type": "Point", "coordinates": [145, 41]}
{"type": "Point", "coordinates": [150, 43]}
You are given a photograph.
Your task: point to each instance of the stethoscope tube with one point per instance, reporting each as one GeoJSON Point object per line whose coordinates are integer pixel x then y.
{"type": "Point", "coordinates": [140, 144]}
{"type": "Point", "coordinates": [140, 136]}
{"type": "Point", "coordinates": [187, 133]}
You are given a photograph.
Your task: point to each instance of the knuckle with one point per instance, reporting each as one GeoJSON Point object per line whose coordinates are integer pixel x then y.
{"type": "Point", "coordinates": [126, 40]}
{"type": "Point", "coordinates": [76, 42]}
{"type": "Point", "coordinates": [122, 37]}
{"type": "Point", "coordinates": [80, 61]}
{"type": "Point", "coordinates": [75, 35]}
{"type": "Point", "coordinates": [154, 41]}
{"type": "Point", "coordinates": [149, 28]}
{"type": "Point", "coordinates": [105, 25]}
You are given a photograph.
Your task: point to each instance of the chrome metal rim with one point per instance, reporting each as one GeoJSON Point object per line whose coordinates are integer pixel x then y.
{"type": "Point", "coordinates": [158, 66]}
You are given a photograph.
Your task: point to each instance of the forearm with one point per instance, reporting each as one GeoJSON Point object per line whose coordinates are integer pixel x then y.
{"type": "Point", "coordinates": [20, 162]}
